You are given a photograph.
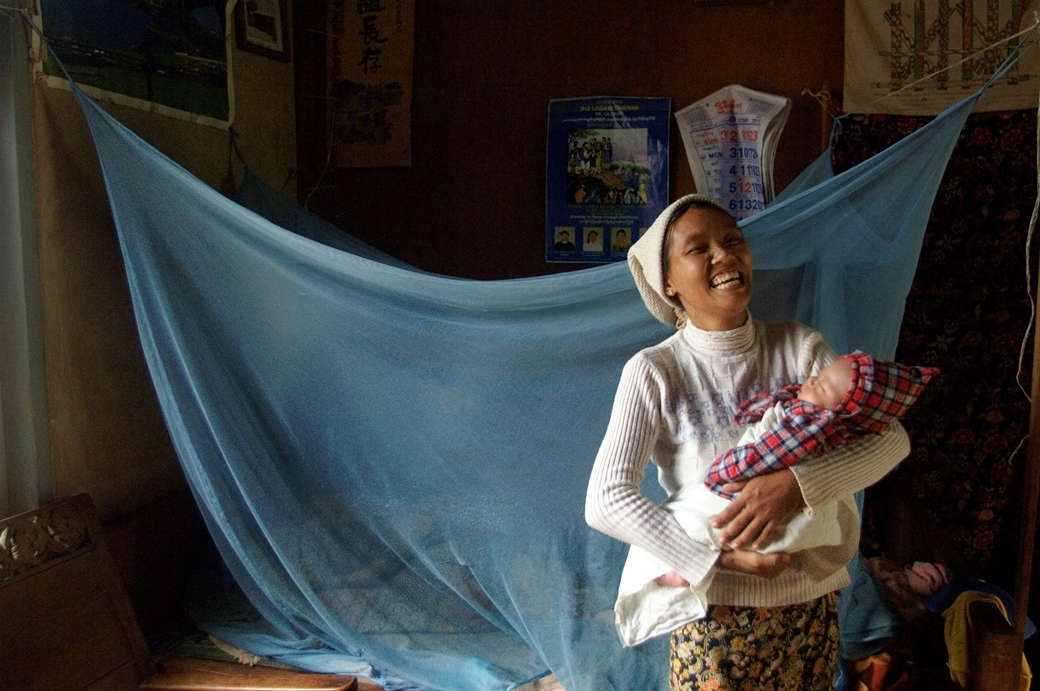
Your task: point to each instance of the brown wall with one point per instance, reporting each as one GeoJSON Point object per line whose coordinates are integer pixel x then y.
{"type": "Point", "coordinates": [107, 434]}
{"type": "Point", "coordinates": [473, 201]}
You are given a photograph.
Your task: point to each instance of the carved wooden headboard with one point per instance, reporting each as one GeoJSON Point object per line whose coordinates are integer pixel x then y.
{"type": "Point", "coordinates": [65, 620]}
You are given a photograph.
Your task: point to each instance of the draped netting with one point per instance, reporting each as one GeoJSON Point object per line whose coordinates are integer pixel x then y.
{"type": "Point", "coordinates": [393, 463]}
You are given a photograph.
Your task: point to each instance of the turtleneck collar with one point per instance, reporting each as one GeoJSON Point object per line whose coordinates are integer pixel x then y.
{"type": "Point", "coordinates": [733, 342]}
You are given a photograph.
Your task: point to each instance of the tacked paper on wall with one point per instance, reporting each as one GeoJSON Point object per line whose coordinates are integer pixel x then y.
{"type": "Point", "coordinates": [370, 49]}
{"type": "Point", "coordinates": [730, 139]}
{"type": "Point", "coordinates": [918, 58]}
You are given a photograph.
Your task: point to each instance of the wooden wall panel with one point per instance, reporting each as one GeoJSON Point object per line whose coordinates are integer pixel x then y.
{"type": "Point", "coordinates": [473, 201]}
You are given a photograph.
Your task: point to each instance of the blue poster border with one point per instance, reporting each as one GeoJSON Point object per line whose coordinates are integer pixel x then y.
{"type": "Point", "coordinates": [606, 175]}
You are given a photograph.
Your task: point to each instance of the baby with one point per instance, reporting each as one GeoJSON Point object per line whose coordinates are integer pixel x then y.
{"type": "Point", "coordinates": [853, 396]}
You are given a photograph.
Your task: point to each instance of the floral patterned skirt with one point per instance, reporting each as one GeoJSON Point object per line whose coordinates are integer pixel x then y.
{"type": "Point", "coordinates": [758, 649]}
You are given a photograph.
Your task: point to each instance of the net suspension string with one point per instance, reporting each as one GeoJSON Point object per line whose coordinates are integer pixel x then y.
{"type": "Point", "coordinates": [825, 98]}
{"type": "Point", "coordinates": [972, 56]}
{"type": "Point", "coordinates": [1031, 484]}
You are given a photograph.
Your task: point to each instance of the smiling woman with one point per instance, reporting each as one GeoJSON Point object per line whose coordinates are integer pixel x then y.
{"type": "Point", "coordinates": [674, 406]}
{"type": "Point", "coordinates": [707, 266]}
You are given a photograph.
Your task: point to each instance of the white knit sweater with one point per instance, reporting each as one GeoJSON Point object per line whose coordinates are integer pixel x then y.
{"type": "Point", "coordinates": [675, 405]}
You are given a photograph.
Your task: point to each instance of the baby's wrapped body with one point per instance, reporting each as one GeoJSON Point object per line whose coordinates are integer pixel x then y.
{"type": "Point", "coordinates": [645, 609]}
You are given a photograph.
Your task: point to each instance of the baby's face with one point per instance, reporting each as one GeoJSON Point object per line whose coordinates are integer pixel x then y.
{"type": "Point", "coordinates": [829, 387]}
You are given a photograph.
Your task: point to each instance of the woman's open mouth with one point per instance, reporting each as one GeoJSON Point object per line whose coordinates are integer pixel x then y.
{"type": "Point", "coordinates": [727, 280]}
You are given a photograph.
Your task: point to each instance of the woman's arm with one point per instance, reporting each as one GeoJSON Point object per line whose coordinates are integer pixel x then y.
{"type": "Point", "coordinates": [764, 504]}
{"type": "Point", "coordinates": [762, 507]}
{"type": "Point", "coordinates": [846, 470]}
{"type": "Point", "coordinates": [614, 504]}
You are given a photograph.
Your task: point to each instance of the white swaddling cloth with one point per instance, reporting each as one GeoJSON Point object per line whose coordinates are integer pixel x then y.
{"type": "Point", "coordinates": [645, 610]}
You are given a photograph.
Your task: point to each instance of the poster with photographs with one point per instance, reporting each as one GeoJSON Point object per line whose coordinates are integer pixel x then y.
{"type": "Point", "coordinates": [163, 56]}
{"type": "Point", "coordinates": [606, 175]}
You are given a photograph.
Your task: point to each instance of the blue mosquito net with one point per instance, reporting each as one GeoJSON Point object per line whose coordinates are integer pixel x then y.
{"type": "Point", "coordinates": [393, 463]}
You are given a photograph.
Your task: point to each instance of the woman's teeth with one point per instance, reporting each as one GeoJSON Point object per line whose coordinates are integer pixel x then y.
{"type": "Point", "coordinates": [726, 280]}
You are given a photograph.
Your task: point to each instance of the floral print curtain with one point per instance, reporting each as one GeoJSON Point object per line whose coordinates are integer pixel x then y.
{"type": "Point", "coordinates": [968, 313]}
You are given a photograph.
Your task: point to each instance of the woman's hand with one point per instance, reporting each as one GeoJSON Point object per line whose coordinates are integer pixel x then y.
{"type": "Point", "coordinates": [763, 505]}
{"type": "Point", "coordinates": [755, 563]}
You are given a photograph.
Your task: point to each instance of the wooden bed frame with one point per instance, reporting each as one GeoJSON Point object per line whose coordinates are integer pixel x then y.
{"type": "Point", "coordinates": [66, 623]}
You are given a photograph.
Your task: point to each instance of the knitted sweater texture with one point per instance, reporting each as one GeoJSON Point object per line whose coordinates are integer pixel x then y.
{"type": "Point", "coordinates": [674, 406]}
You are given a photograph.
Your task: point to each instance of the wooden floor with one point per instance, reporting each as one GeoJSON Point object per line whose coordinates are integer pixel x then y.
{"type": "Point", "coordinates": [366, 684]}
{"type": "Point", "coordinates": [176, 673]}
{"type": "Point", "coordinates": [197, 674]}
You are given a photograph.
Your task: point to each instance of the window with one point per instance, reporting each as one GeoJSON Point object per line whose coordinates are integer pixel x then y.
{"type": "Point", "coordinates": [25, 471]}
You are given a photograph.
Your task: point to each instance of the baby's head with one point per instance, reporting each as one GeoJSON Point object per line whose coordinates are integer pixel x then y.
{"type": "Point", "coordinates": [865, 392]}
{"type": "Point", "coordinates": [828, 388]}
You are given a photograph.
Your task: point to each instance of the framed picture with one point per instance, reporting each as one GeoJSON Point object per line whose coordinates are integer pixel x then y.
{"type": "Point", "coordinates": [182, 75]}
{"type": "Point", "coordinates": [260, 28]}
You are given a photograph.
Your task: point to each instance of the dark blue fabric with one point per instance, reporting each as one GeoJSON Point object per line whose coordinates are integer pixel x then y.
{"type": "Point", "coordinates": [393, 464]}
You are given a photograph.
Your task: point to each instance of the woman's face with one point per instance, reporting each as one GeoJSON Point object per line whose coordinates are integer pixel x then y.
{"type": "Point", "coordinates": [709, 269]}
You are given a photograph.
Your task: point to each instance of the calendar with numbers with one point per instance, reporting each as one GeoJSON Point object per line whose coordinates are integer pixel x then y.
{"type": "Point", "coordinates": [730, 139]}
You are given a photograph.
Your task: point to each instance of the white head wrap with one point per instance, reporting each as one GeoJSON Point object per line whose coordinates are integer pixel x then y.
{"type": "Point", "coordinates": [646, 261]}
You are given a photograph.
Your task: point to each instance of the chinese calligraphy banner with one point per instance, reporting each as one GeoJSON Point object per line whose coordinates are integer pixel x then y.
{"type": "Point", "coordinates": [934, 53]}
{"type": "Point", "coordinates": [370, 44]}
{"type": "Point", "coordinates": [606, 175]}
